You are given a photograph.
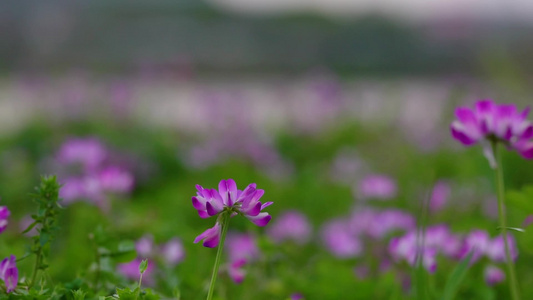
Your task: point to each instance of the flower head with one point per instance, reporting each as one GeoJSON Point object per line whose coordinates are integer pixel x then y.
{"type": "Point", "coordinates": [377, 187]}
{"type": "Point", "coordinates": [210, 202]}
{"type": "Point", "coordinates": [494, 122]}
{"type": "Point", "coordinates": [9, 273]}
{"type": "Point", "coordinates": [494, 275]}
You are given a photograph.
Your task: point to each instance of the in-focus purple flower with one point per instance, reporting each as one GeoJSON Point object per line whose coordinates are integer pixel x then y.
{"type": "Point", "coordinates": [210, 202]}
{"type": "Point", "coordinates": [494, 122]}
{"type": "Point", "coordinates": [377, 187]}
{"type": "Point", "coordinates": [211, 236]}
{"type": "Point", "coordinates": [339, 241]}
{"type": "Point", "coordinates": [4, 215]}
{"type": "Point", "coordinates": [290, 225]}
{"type": "Point", "coordinates": [173, 251]}
{"type": "Point", "coordinates": [9, 273]}
{"type": "Point", "coordinates": [241, 246]}
{"type": "Point", "coordinates": [439, 196]}
{"type": "Point", "coordinates": [494, 275]}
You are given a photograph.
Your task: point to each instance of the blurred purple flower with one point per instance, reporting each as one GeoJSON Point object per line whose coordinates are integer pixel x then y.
{"type": "Point", "coordinates": [409, 247]}
{"type": "Point", "coordinates": [496, 248]}
{"type": "Point", "coordinates": [339, 241]}
{"type": "Point", "coordinates": [477, 242]}
{"type": "Point", "coordinates": [173, 251]}
{"type": "Point", "coordinates": [4, 215]}
{"type": "Point", "coordinates": [145, 246]}
{"type": "Point", "coordinates": [236, 271]}
{"type": "Point", "coordinates": [241, 246]}
{"type": "Point", "coordinates": [291, 225]}
{"type": "Point", "coordinates": [113, 179]}
{"type": "Point", "coordinates": [439, 196]}
{"type": "Point", "coordinates": [211, 202]}
{"type": "Point", "coordinates": [527, 221]}
{"type": "Point", "coordinates": [491, 121]}
{"type": "Point", "coordinates": [131, 271]}
{"type": "Point", "coordinates": [362, 272]}
{"type": "Point", "coordinates": [296, 296]}
{"type": "Point", "coordinates": [494, 275]}
{"type": "Point", "coordinates": [9, 273]}
{"type": "Point", "coordinates": [377, 187]}
{"type": "Point", "coordinates": [89, 152]}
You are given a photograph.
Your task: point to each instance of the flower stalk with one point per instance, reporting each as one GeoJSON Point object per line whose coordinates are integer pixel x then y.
{"type": "Point", "coordinates": [224, 218]}
{"type": "Point", "coordinates": [498, 171]}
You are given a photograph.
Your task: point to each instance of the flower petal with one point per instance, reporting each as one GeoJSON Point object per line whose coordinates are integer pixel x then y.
{"type": "Point", "coordinates": [261, 219]}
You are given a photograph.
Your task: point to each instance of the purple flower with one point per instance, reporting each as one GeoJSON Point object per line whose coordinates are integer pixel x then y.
{"type": "Point", "coordinates": [210, 202]}
{"type": "Point", "coordinates": [439, 196]}
{"type": "Point", "coordinates": [241, 246]}
{"type": "Point", "coordinates": [9, 273]}
{"type": "Point", "coordinates": [4, 215]}
{"type": "Point", "coordinates": [494, 275]}
{"type": "Point", "coordinates": [296, 296]}
{"type": "Point", "coordinates": [145, 246]}
{"type": "Point", "coordinates": [173, 251]}
{"type": "Point", "coordinates": [496, 248]}
{"type": "Point", "coordinates": [494, 122]}
{"type": "Point", "coordinates": [89, 152]}
{"type": "Point", "coordinates": [211, 236]}
{"type": "Point", "coordinates": [113, 179]}
{"type": "Point", "coordinates": [291, 225]}
{"type": "Point", "coordinates": [236, 271]}
{"type": "Point", "coordinates": [131, 271]}
{"type": "Point", "coordinates": [377, 187]}
{"type": "Point", "coordinates": [339, 241]}
{"type": "Point", "coordinates": [477, 242]}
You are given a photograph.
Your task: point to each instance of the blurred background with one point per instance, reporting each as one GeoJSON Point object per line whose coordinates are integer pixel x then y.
{"type": "Point", "coordinates": [307, 98]}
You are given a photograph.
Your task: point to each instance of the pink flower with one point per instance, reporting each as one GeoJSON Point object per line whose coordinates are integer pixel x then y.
{"type": "Point", "coordinates": [241, 246]}
{"type": "Point", "coordinates": [490, 121]}
{"type": "Point", "coordinates": [339, 241]}
{"type": "Point", "coordinates": [236, 271]}
{"type": "Point", "coordinates": [291, 225]}
{"type": "Point", "coordinates": [89, 152]}
{"type": "Point", "coordinates": [9, 273]}
{"type": "Point", "coordinates": [145, 246]}
{"type": "Point", "coordinates": [210, 202]}
{"type": "Point", "coordinates": [439, 196]}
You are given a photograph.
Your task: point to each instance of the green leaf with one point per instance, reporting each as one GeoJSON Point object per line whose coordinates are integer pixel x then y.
{"type": "Point", "coordinates": [522, 199]}
{"type": "Point", "coordinates": [30, 227]}
{"type": "Point", "coordinates": [512, 228]}
{"type": "Point", "coordinates": [143, 265]}
{"type": "Point", "coordinates": [43, 238]}
{"type": "Point", "coordinates": [78, 295]}
{"type": "Point", "coordinates": [456, 277]}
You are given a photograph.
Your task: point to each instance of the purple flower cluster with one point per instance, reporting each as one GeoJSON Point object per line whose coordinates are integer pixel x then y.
{"type": "Point", "coordinates": [9, 273]}
{"type": "Point", "coordinates": [210, 202]}
{"type": "Point", "coordinates": [242, 249]}
{"type": "Point", "coordinates": [439, 240]}
{"type": "Point", "coordinates": [494, 122]}
{"type": "Point", "coordinates": [95, 177]}
{"type": "Point", "coordinates": [436, 239]}
{"type": "Point", "coordinates": [4, 215]}
{"type": "Point", "coordinates": [290, 226]}
{"type": "Point", "coordinates": [344, 237]}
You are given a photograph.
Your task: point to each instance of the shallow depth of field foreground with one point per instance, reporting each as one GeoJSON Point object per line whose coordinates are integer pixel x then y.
{"type": "Point", "coordinates": [236, 150]}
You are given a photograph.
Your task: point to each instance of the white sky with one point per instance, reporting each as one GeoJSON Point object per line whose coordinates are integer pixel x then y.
{"type": "Point", "coordinates": [414, 10]}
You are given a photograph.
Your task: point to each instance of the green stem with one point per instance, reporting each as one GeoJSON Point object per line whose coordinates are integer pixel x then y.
{"type": "Point", "coordinates": [503, 220]}
{"type": "Point", "coordinates": [36, 267]}
{"type": "Point", "coordinates": [225, 222]}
